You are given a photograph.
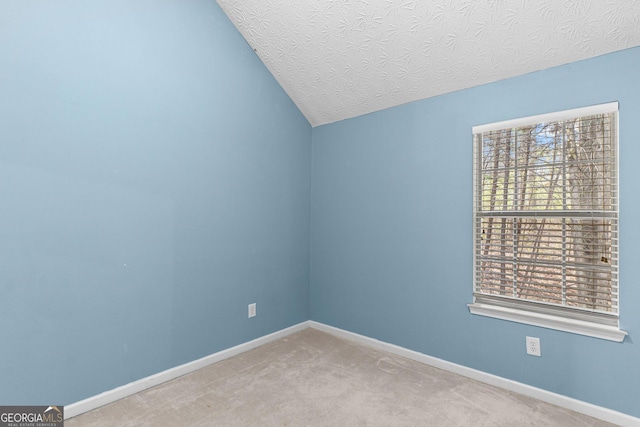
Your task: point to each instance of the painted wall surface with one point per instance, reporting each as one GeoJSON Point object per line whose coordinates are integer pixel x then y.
{"type": "Point", "coordinates": [391, 231]}
{"type": "Point", "coordinates": [154, 180]}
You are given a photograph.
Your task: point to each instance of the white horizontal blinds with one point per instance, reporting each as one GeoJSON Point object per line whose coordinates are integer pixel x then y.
{"type": "Point", "coordinates": [546, 212]}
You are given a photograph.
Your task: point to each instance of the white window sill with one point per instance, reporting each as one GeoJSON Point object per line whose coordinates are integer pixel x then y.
{"type": "Point", "coordinates": [581, 327]}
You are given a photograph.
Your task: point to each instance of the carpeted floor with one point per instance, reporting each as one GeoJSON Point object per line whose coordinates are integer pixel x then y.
{"type": "Point", "coordinates": [314, 379]}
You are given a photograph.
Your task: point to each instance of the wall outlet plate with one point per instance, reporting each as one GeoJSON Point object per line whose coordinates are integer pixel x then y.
{"type": "Point", "coordinates": [533, 346]}
{"type": "Point", "coordinates": [252, 310]}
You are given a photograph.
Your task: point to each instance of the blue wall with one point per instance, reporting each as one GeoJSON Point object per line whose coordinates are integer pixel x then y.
{"type": "Point", "coordinates": [391, 242]}
{"type": "Point", "coordinates": [154, 180]}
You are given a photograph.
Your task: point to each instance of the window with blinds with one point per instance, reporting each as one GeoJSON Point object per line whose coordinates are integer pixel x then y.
{"type": "Point", "coordinates": [546, 217]}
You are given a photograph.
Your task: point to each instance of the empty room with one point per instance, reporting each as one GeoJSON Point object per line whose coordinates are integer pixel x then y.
{"type": "Point", "coordinates": [319, 212]}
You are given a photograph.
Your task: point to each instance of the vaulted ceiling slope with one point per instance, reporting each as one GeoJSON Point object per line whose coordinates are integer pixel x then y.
{"type": "Point", "coordinates": [339, 59]}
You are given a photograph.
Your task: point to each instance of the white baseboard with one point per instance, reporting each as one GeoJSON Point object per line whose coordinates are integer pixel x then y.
{"type": "Point", "coordinates": [118, 393]}
{"type": "Point", "coordinates": [546, 396]}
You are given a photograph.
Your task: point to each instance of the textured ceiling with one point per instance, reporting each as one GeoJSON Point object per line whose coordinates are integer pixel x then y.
{"type": "Point", "coordinates": [342, 58]}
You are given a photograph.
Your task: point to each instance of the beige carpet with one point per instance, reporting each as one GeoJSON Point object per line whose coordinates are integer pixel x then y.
{"type": "Point", "coordinates": [314, 379]}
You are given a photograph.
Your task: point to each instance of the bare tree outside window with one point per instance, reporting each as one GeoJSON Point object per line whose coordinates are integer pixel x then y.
{"type": "Point", "coordinates": [545, 213]}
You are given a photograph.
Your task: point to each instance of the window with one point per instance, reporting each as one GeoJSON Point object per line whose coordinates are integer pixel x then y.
{"type": "Point", "coordinates": [546, 221]}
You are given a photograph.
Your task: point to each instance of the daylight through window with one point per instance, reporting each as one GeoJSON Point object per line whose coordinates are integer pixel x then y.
{"type": "Point", "coordinates": [546, 218]}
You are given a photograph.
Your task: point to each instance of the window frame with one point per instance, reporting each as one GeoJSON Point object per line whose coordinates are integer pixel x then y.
{"type": "Point", "coordinates": [563, 318]}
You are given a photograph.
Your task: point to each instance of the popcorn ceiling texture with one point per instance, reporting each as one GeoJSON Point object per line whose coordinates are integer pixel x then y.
{"type": "Point", "coordinates": [343, 58]}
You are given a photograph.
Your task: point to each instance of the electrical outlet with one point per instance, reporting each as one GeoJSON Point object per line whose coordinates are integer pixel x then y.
{"type": "Point", "coordinates": [533, 346]}
{"type": "Point", "coordinates": [252, 310]}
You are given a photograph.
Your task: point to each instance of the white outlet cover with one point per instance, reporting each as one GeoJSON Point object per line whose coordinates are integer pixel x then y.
{"type": "Point", "coordinates": [533, 346]}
